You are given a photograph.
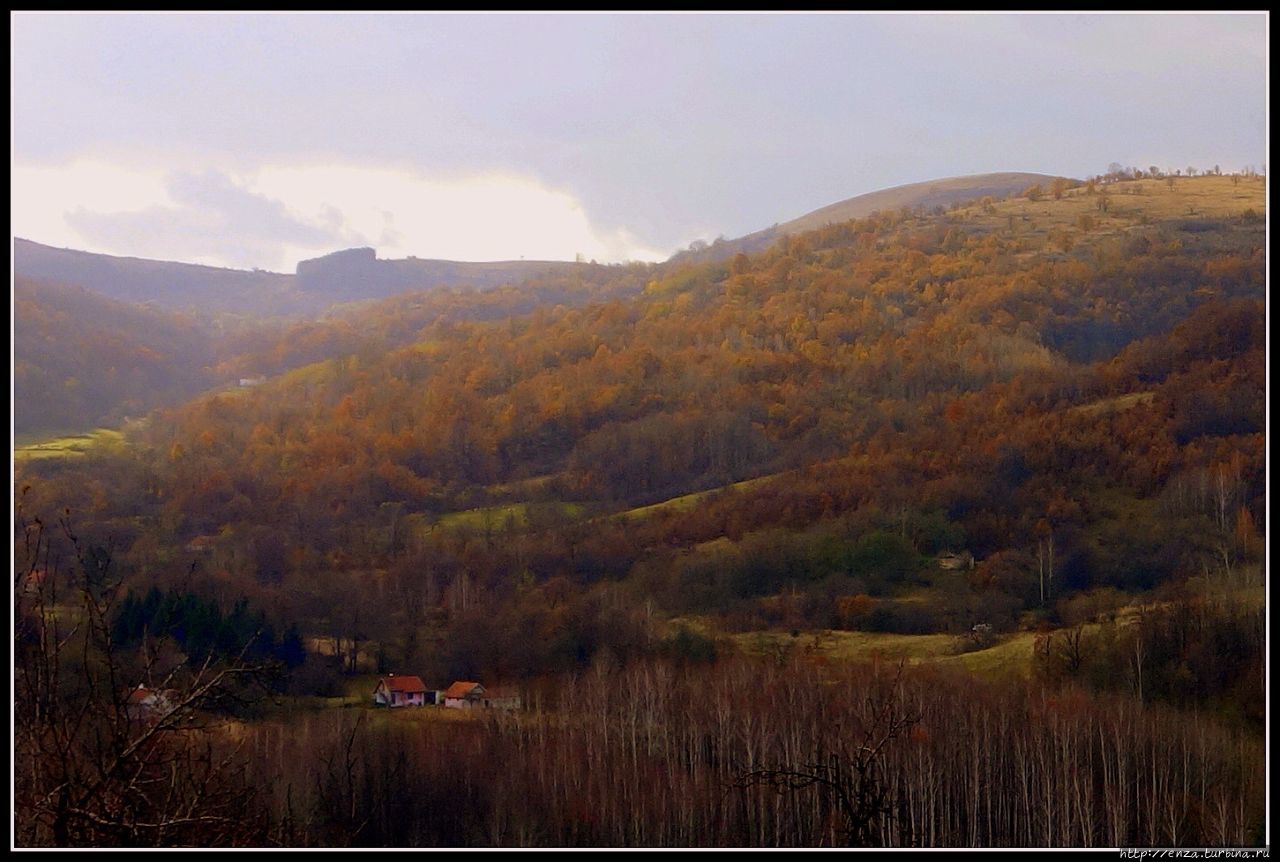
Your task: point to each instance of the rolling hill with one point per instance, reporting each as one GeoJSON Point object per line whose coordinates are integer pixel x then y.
{"type": "Point", "coordinates": [175, 286]}
{"type": "Point", "coordinates": [925, 195]}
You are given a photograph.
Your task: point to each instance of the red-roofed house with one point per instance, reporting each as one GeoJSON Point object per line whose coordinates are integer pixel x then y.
{"type": "Point", "coordinates": [145, 704]}
{"type": "Point", "coordinates": [464, 695]}
{"type": "Point", "coordinates": [395, 691]}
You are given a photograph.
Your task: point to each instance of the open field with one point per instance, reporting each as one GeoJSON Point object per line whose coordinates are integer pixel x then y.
{"type": "Point", "coordinates": [1009, 654]}
{"type": "Point", "coordinates": [1113, 405]}
{"type": "Point", "coordinates": [687, 502]}
{"type": "Point", "coordinates": [70, 446]}
{"type": "Point", "coordinates": [1114, 208]}
{"type": "Point", "coordinates": [509, 516]}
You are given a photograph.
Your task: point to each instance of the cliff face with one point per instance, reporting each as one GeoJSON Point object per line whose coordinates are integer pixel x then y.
{"type": "Point", "coordinates": [351, 258]}
{"type": "Point", "coordinates": [354, 273]}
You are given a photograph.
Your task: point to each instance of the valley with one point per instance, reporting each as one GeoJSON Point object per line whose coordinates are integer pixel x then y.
{"type": "Point", "coordinates": [986, 471]}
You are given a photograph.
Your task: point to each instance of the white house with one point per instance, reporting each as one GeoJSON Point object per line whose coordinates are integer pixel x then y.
{"type": "Point", "coordinates": [396, 691]}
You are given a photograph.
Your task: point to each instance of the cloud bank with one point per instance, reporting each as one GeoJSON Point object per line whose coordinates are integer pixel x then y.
{"type": "Point", "coordinates": [276, 215]}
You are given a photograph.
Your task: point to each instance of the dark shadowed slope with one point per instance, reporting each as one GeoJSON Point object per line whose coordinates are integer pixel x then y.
{"type": "Point", "coordinates": [183, 286]}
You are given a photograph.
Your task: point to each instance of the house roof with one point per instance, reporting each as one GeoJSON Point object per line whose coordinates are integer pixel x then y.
{"type": "Point", "coordinates": [139, 695]}
{"type": "Point", "coordinates": [462, 689]}
{"type": "Point", "coordinates": [407, 684]}
{"type": "Point", "coordinates": [155, 697]}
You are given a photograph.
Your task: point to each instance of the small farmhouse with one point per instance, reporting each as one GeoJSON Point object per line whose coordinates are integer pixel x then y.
{"type": "Point", "coordinates": [146, 704]}
{"type": "Point", "coordinates": [395, 691]}
{"type": "Point", "coordinates": [464, 695]}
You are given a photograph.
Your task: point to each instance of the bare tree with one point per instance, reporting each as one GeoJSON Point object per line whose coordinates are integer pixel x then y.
{"type": "Point", "coordinates": [95, 763]}
{"type": "Point", "coordinates": [853, 781]}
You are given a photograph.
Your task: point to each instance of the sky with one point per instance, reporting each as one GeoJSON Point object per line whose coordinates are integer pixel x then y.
{"type": "Point", "coordinates": [257, 140]}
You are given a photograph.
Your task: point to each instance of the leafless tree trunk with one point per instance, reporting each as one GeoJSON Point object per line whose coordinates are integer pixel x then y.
{"type": "Point", "coordinates": [92, 768]}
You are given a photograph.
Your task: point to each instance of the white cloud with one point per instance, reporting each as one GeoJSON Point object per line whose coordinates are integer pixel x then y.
{"type": "Point", "coordinates": [491, 216]}
{"type": "Point", "coordinates": [42, 197]}
{"type": "Point", "coordinates": [276, 215]}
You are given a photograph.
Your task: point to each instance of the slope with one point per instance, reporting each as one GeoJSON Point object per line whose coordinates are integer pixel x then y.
{"type": "Point", "coordinates": [911, 381]}
{"type": "Point", "coordinates": [925, 195]}
{"type": "Point", "coordinates": [82, 360]}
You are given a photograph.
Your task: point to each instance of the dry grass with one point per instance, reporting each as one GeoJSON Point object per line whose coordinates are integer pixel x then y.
{"type": "Point", "coordinates": [1010, 654]}
{"type": "Point", "coordinates": [1128, 205]}
{"type": "Point", "coordinates": [494, 519]}
{"type": "Point", "coordinates": [71, 446]}
{"type": "Point", "coordinates": [1114, 405]}
{"type": "Point", "coordinates": [687, 502]}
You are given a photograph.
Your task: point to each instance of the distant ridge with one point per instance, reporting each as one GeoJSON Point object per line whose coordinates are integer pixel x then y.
{"type": "Point", "coordinates": [171, 285]}
{"type": "Point", "coordinates": [357, 274]}
{"type": "Point", "coordinates": [343, 276]}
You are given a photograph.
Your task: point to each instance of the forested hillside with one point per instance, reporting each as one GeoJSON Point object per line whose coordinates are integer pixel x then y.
{"type": "Point", "coordinates": [1075, 376]}
{"type": "Point", "coordinates": [82, 360]}
{"type": "Point", "coordinates": [1018, 444]}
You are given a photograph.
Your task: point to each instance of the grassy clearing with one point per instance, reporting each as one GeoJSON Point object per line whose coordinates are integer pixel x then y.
{"type": "Point", "coordinates": [1009, 655]}
{"type": "Point", "coordinates": [71, 446]}
{"type": "Point", "coordinates": [686, 502]}
{"type": "Point", "coordinates": [488, 518]}
{"type": "Point", "coordinates": [1128, 204]}
{"type": "Point", "coordinates": [1114, 405]}
{"type": "Point", "coordinates": [518, 516]}
{"type": "Point", "coordinates": [847, 645]}
{"type": "Point", "coordinates": [509, 516]}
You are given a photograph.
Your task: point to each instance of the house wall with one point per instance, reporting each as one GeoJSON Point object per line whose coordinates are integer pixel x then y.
{"type": "Point", "coordinates": [383, 697]}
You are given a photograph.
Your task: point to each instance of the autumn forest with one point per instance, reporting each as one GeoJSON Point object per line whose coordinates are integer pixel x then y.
{"type": "Point", "coordinates": [939, 526]}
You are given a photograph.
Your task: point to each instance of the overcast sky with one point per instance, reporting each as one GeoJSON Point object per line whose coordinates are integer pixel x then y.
{"type": "Point", "coordinates": [258, 140]}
